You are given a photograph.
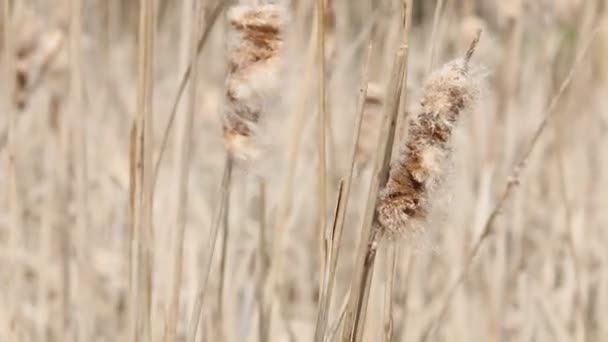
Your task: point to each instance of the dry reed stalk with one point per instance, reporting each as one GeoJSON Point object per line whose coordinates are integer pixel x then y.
{"type": "Point", "coordinates": [14, 207]}
{"type": "Point", "coordinates": [391, 255]}
{"type": "Point", "coordinates": [222, 333]}
{"type": "Point", "coordinates": [195, 318]}
{"type": "Point", "coordinates": [334, 328]}
{"type": "Point", "coordinates": [366, 253]}
{"type": "Point", "coordinates": [436, 18]}
{"type": "Point", "coordinates": [263, 262]}
{"type": "Point", "coordinates": [141, 191]}
{"type": "Point", "coordinates": [332, 255]}
{"type": "Point", "coordinates": [210, 22]}
{"type": "Point", "coordinates": [512, 182]}
{"type": "Point", "coordinates": [183, 173]}
{"type": "Point", "coordinates": [322, 133]}
{"type": "Point", "coordinates": [78, 162]}
{"type": "Point", "coordinates": [329, 239]}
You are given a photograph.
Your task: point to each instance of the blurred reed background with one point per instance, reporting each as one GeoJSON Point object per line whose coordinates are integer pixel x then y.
{"type": "Point", "coordinates": [147, 197]}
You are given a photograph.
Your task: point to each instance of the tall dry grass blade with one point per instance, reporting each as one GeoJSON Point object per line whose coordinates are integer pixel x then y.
{"type": "Point", "coordinates": [184, 156]}
{"type": "Point", "coordinates": [14, 207]}
{"type": "Point", "coordinates": [512, 182]}
{"type": "Point", "coordinates": [433, 41]}
{"type": "Point", "coordinates": [222, 317]}
{"type": "Point", "coordinates": [142, 204]}
{"type": "Point", "coordinates": [79, 164]}
{"type": "Point", "coordinates": [328, 241]}
{"type": "Point", "coordinates": [322, 120]}
{"type": "Point", "coordinates": [326, 292]}
{"type": "Point", "coordinates": [334, 328]}
{"type": "Point", "coordinates": [263, 262]}
{"type": "Point", "coordinates": [209, 24]}
{"type": "Point", "coordinates": [391, 252]}
{"type": "Point", "coordinates": [215, 227]}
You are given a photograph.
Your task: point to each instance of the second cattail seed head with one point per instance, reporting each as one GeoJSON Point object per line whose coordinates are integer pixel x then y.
{"type": "Point", "coordinates": [253, 82]}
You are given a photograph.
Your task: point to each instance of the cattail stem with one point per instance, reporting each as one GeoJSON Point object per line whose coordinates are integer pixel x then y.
{"type": "Point", "coordinates": [263, 303]}
{"type": "Point", "coordinates": [215, 14]}
{"type": "Point", "coordinates": [436, 18]}
{"type": "Point", "coordinates": [327, 290]}
{"type": "Point", "coordinates": [79, 162]}
{"type": "Point", "coordinates": [223, 268]}
{"type": "Point", "coordinates": [215, 227]}
{"type": "Point", "coordinates": [391, 252]}
{"type": "Point", "coordinates": [142, 195]}
{"type": "Point", "coordinates": [14, 207]}
{"type": "Point", "coordinates": [322, 119]}
{"type": "Point", "coordinates": [183, 175]}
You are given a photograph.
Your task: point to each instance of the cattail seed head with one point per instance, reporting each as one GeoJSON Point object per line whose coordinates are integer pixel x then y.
{"type": "Point", "coordinates": [447, 94]}
{"type": "Point", "coordinates": [254, 54]}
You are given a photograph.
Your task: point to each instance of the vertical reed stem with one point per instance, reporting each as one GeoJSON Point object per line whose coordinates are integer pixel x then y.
{"type": "Point", "coordinates": [142, 167]}
{"type": "Point", "coordinates": [215, 227]}
{"type": "Point", "coordinates": [183, 170]}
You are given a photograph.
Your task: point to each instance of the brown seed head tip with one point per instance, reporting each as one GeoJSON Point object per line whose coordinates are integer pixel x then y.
{"type": "Point", "coordinates": [472, 48]}
{"type": "Point", "coordinates": [268, 18]}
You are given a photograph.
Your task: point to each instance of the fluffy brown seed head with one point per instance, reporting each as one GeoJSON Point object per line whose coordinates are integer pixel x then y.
{"type": "Point", "coordinates": [255, 39]}
{"type": "Point", "coordinates": [404, 202]}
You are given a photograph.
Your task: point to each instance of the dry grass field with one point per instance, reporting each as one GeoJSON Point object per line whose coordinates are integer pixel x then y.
{"type": "Point", "coordinates": [304, 170]}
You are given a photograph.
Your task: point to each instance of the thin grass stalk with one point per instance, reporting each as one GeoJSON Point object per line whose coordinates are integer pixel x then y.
{"type": "Point", "coordinates": [223, 267]}
{"type": "Point", "coordinates": [263, 310]}
{"type": "Point", "coordinates": [79, 162]}
{"type": "Point", "coordinates": [326, 292]}
{"type": "Point", "coordinates": [512, 182]}
{"type": "Point", "coordinates": [436, 18]}
{"type": "Point", "coordinates": [322, 123]}
{"type": "Point", "coordinates": [334, 328]}
{"type": "Point", "coordinates": [329, 240]}
{"type": "Point", "coordinates": [143, 177]}
{"type": "Point", "coordinates": [215, 226]}
{"type": "Point", "coordinates": [391, 253]}
{"type": "Point", "coordinates": [368, 244]}
{"type": "Point", "coordinates": [14, 208]}
{"type": "Point", "coordinates": [184, 156]}
{"type": "Point", "coordinates": [209, 24]}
